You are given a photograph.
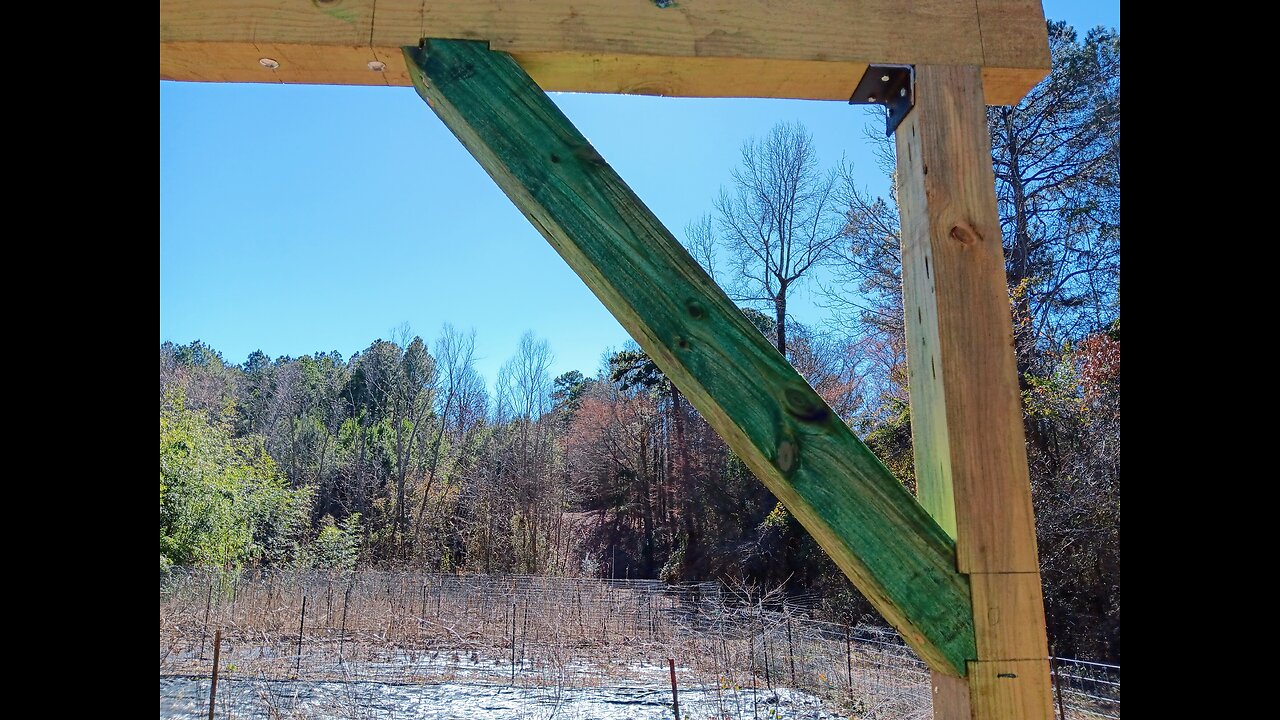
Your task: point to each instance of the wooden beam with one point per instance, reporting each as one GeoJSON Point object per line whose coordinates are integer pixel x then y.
{"type": "Point", "coordinates": [857, 511]}
{"type": "Point", "coordinates": [966, 409]}
{"type": "Point", "coordinates": [811, 49]}
{"type": "Point", "coordinates": [1012, 50]}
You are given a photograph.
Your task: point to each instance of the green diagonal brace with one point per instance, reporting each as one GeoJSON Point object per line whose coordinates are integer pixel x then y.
{"type": "Point", "coordinates": [864, 518]}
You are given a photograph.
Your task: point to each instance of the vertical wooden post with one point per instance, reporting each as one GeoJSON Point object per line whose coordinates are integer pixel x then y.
{"type": "Point", "coordinates": [966, 410]}
{"type": "Point", "coordinates": [302, 621]}
{"type": "Point", "coordinates": [791, 651]}
{"type": "Point", "coordinates": [204, 630]}
{"type": "Point", "coordinates": [675, 696]}
{"type": "Point", "coordinates": [213, 684]}
{"type": "Point", "coordinates": [1057, 686]}
{"type": "Point", "coordinates": [764, 649]}
{"type": "Point", "coordinates": [524, 633]}
{"type": "Point", "coordinates": [751, 655]}
{"type": "Point", "coordinates": [342, 634]}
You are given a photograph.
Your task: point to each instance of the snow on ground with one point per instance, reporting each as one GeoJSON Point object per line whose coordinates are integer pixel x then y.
{"type": "Point", "coordinates": [183, 698]}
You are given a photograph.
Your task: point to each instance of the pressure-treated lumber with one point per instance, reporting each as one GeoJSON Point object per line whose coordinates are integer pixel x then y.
{"type": "Point", "coordinates": [1010, 690]}
{"type": "Point", "coordinates": [962, 374]}
{"type": "Point", "coordinates": [1008, 612]}
{"type": "Point", "coordinates": [812, 49]}
{"type": "Point", "coordinates": [966, 409]}
{"type": "Point", "coordinates": [950, 697]}
{"type": "Point", "coordinates": [858, 512]}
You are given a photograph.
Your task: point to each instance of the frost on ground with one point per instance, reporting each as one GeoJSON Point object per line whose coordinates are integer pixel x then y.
{"type": "Point", "coordinates": [372, 644]}
{"type": "Point", "coordinates": [183, 698]}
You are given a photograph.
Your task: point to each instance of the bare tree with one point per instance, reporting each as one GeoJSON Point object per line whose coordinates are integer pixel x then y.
{"type": "Point", "coordinates": [864, 294]}
{"type": "Point", "coordinates": [524, 397]}
{"type": "Point", "coordinates": [867, 259]}
{"type": "Point", "coordinates": [780, 220]}
{"type": "Point", "coordinates": [530, 379]}
{"type": "Point", "coordinates": [410, 389]}
{"type": "Point", "coordinates": [1057, 168]}
{"type": "Point", "coordinates": [700, 241]}
{"type": "Point", "coordinates": [456, 376]}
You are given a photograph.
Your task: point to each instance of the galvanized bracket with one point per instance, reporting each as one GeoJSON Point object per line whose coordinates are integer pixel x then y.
{"type": "Point", "coordinates": [893, 86]}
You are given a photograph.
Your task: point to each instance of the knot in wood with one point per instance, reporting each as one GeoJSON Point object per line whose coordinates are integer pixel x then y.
{"type": "Point", "coordinates": [786, 458]}
{"type": "Point", "coordinates": [806, 405]}
{"type": "Point", "coordinates": [964, 234]}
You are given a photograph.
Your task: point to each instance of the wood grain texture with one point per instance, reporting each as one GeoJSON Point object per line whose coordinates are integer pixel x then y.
{"type": "Point", "coordinates": [1014, 34]}
{"type": "Point", "coordinates": [962, 375]}
{"type": "Point", "coordinates": [857, 511]}
{"type": "Point", "coordinates": [950, 697]}
{"type": "Point", "coordinates": [1015, 47]}
{"type": "Point", "coordinates": [1008, 610]}
{"type": "Point", "coordinates": [814, 49]}
{"type": "Point", "coordinates": [692, 77]}
{"type": "Point", "coordinates": [1010, 690]}
{"type": "Point", "coordinates": [966, 410]}
{"type": "Point", "coordinates": [930, 441]}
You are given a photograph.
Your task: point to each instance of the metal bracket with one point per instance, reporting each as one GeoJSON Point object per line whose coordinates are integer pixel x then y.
{"type": "Point", "coordinates": [893, 86]}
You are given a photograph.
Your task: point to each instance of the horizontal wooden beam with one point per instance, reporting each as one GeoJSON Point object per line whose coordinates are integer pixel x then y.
{"type": "Point", "coordinates": [810, 49]}
{"type": "Point", "coordinates": [869, 524]}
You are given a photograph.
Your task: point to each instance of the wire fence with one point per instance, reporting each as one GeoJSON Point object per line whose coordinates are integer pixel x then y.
{"type": "Point", "coordinates": [406, 628]}
{"type": "Point", "coordinates": [1086, 689]}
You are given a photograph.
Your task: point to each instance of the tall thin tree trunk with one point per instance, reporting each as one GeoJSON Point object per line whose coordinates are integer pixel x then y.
{"type": "Point", "coordinates": [1020, 253]}
{"type": "Point", "coordinates": [646, 504]}
{"type": "Point", "coordinates": [687, 486]}
{"type": "Point", "coordinates": [780, 307]}
{"type": "Point", "coordinates": [435, 463]}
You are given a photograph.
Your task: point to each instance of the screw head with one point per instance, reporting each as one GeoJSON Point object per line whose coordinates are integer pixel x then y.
{"type": "Point", "coordinates": [377, 65]}
{"type": "Point", "coordinates": [902, 92]}
{"type": "Point", "coordinates": [268, 63]}
{"type": "Point", "coordinates": [871, 99]}
{"type": "Point", "coordinates": [884, 78]}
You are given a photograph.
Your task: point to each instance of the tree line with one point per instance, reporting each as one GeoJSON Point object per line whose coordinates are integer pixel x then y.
{"type": "Point", "coordinates": [403, 456]}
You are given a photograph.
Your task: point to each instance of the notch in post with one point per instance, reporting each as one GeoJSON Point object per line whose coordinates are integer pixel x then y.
{"type": "Point", "coordinates": [893, 86]}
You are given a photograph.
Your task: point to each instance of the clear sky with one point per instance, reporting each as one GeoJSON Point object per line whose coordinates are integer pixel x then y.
{"type": "Point", "coordinates": [296, 219]}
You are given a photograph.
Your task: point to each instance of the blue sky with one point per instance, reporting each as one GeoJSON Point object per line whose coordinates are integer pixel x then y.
{"type": "Point", "coordinates": [296, 219]}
